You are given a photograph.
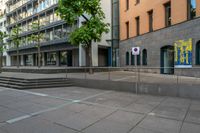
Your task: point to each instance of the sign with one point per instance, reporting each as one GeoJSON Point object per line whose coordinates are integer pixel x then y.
{"type": "Point", "coordinates": [183, 53]}
{"type": "Point", "coordinates": [135, 50]}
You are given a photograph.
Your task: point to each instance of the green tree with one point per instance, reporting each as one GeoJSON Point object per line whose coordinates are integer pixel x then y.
{"type": "Point", "coordinates": [92, 29]}
{"type": "Point", "coordinates": [3, 35]}
{"type": "Point", "coordinates": [16, 39]}
{"type": "Point", "coordinates": [36, 38]}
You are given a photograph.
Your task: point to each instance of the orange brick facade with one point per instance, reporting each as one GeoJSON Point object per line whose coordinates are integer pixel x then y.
{"type": "Point", "coordinates": [179, 11]}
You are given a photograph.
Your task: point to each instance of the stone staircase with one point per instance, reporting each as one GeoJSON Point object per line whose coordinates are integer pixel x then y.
{"type": "Point", "coordinates": [19, 83]}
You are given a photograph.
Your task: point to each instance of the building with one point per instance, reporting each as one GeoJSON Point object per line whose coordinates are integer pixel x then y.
{"type": "Point", "coordinates": [55, 47]}
{"type": "Point", "coordinates": [115, 33]}
{"type": "Point", "coordinates": [155, 26]}
{"type": "Point", "coordinates": [6, 59]}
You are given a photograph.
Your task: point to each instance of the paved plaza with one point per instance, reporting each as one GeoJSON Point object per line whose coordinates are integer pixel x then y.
{"type": "Point", "coordinates": [82, 110]}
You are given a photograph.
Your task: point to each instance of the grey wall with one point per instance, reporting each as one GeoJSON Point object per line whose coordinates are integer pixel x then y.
{"type": "Point", "coordinates": [155, 40]}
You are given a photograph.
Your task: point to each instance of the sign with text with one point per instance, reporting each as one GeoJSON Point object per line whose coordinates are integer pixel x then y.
{"type": "Point", "coordinates": [183, 53]}
{"type": "Point", "coordinates": [136, 50]}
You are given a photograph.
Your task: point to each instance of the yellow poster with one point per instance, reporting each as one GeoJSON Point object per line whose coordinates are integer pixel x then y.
{"type": "Point", "coordinates": [183, 53]}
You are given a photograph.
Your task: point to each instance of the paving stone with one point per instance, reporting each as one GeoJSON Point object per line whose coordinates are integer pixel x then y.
{"type": "Point", "coordinates": [193, 116]}
{"type": "Point", "coordinates": [176, 102]}
{"type": "Point", "coordinates": [140, 108]}
{"type": "Point", "coordinates": [160, 125]}
{"type": "Point", "coordinates": [10, 114]}
{"type": "Point", "coordinates": [50, 102]}
{"type": "Point", "coordinates": [190, 128]}
{"type": "Point", "coordinates": [85, 118]}
{"type": "Point", "coordinates": [35, 125]}
{"type": "Point", "coordinates": [118, 122]}
{"type": "Point", "coordinates": [114, 99]}
{"type": "Point", "coordinates": [150, 100]}
{"type": "Point", "coordinates": [170, 112]}
{"type": "Point", "coordinates": [143, 130]}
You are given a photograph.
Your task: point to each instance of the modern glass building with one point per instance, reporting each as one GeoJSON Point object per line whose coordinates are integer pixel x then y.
{"type": "Point", "coordinates": [55, 48]}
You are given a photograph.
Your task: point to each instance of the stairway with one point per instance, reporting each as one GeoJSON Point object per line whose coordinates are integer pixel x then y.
{"type": "Point", "coordinates": [19, 83]}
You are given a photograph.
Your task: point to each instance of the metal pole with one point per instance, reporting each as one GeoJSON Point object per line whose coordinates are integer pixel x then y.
{"type": "Point", "coordinates": [85, 73]}
{"type": "Point", "coordinates": [136, 75]}
{"type": "Point", "coordinates": [109, 73]}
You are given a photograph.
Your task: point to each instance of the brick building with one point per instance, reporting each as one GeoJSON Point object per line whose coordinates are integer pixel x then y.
{"type": "Point", "coordinates": [154, 26]}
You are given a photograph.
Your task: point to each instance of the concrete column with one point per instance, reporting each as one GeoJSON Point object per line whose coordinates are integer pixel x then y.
{"type": "Point", "coordinates": [95, 54]}
{"type": "Point", "coordinates": [8, 60]}
{"type": "Point", "coordinates": [21, 57]}
{"type": "Point", "coordinates": [57, 59]}
{"type": "Point", "coordinates": [43, 59]}
{"type": "Point", "coordinates": [82, 56]}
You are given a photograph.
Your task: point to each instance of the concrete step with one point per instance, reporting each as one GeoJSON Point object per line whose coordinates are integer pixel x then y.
{"type": "Point", "coordinates": [19, 83]}
{"type": "Point", "coordinates": [34, 83]}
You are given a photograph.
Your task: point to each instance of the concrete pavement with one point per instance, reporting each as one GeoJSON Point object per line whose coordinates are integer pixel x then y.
{"type": "Point", "coordinates": [83, 110]}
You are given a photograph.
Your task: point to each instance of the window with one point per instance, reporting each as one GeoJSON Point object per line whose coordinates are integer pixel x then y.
{"type": "Point", "coordinates": [127, 30]}
{"type": "Point", "coordinates": [150, 13]}
{"type": "Point", "coordinates": [137, 2]}
{"type": "Point", "coordinates": [144, 57]}
{"type": "Point", "coordinates": [127, 4]}
{"type": "Point", "coordinates": [51, 58]}
{"type": "Point", "coordinates": [132, 59]}
{"type": "Point", "coordinates": [138, 59]}
{"type": "Point", "coordinates": [198, 53]}
{"type": "Point", "coordinates": [58, 32]}
{"type": "Point", "coordinates": [127, 58]}
{"type": "Point", "coordinates": [191, 9]}
{"type": "Point", "coordinates": [167, 14]}
{"type": "Point", "coordinates": [137, 26]}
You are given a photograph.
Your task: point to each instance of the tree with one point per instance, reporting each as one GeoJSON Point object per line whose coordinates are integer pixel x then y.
{"type": "Point", "coordinates": [36, 38]}
{"type": "Point", "coordinates": [92, 29]}
{"type": "Point", "coordinates": [3, 35]}
{"type": "Point", "coordinates": [15, 37]}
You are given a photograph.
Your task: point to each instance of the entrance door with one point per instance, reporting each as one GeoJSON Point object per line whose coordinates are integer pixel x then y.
{"type": "Point", "coordinates": [167, 60]}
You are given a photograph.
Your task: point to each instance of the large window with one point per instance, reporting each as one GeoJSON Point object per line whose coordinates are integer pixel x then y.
{"type": "Point", "coordinates": [127, 4]}
{"type": "Point", "coordinates": [198, 53]}
{"type": "Point", "coordinates": [167, 14]}
{"type": "Point", "coordinates": [51, 58]}
{"type": "Point", "coordinates": [132, 59]}
{"type": "Point", "coordinates": [137, 2]}
{"type": "Point", "coordinates": [127, 30]}
{"type": "Point", "coordinates": [150, 13]}
{"type": "Point", "coordinates": [138, 60]}
{"type": "Point", "coordinates": [127, 58]}
{"type": "Point", "coordinates": [137, 19]}
{"type": "Point", "coordinates": [144, 57]}
{"type": "Point", "coordinates": [191, 9]}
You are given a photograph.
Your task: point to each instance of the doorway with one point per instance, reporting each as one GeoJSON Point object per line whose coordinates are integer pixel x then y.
{"type": "Point", "coordinates": [167, 60]}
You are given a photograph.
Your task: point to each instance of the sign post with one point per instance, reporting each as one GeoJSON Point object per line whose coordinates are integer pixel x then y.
{"type": "Point", "coordinates": [136, 52]}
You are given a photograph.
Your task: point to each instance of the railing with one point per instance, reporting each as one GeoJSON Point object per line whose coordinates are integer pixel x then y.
{"type": "Point", "coordinates": [143, 77]}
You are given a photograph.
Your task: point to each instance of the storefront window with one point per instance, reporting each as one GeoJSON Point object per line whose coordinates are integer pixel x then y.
{"type": "Point", "coordinates": [63, 58]}
{"type": "Point", "coordinates": [51, 58]}
{"type": "Point", "coordinates": [28, 60]}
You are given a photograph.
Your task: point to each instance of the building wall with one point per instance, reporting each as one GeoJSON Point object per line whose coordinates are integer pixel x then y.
{"type": "Point", "coordinates": [178, 14]}
{"type": "Point", "coordinates": [154, 41]}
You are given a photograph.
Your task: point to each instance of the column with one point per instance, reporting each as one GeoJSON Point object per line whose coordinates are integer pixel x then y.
{"type": "Point", "coordinates": [94, 54]}
{"type": "Point", "coordinates": [82, 56]}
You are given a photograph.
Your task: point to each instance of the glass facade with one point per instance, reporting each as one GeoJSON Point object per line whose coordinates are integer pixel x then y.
{"type": "Point", "coordinates": [51, 58]}
{"type": "Point", "coordinates": [28, 60]}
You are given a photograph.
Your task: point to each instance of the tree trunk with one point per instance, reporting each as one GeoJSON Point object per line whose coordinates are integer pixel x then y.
{"type": "Point", "coordinates": [90, 58]}
{"type": "Point", "coordinates": [1, 56]}
{"type": "Point", "coordinates": [39, 56]}
{"type": "Point", "coordinates": [18, 58]}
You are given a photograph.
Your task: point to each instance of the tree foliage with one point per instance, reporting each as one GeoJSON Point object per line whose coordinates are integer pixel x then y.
{"type": "Point", "coordinates": [3, 35]}
{"type": "Point", "coordinates": [16, 39]}
{"type": "Point", "coordinates": [92, 30]}
{"type": "Point", "coordinates": [15, 36]}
